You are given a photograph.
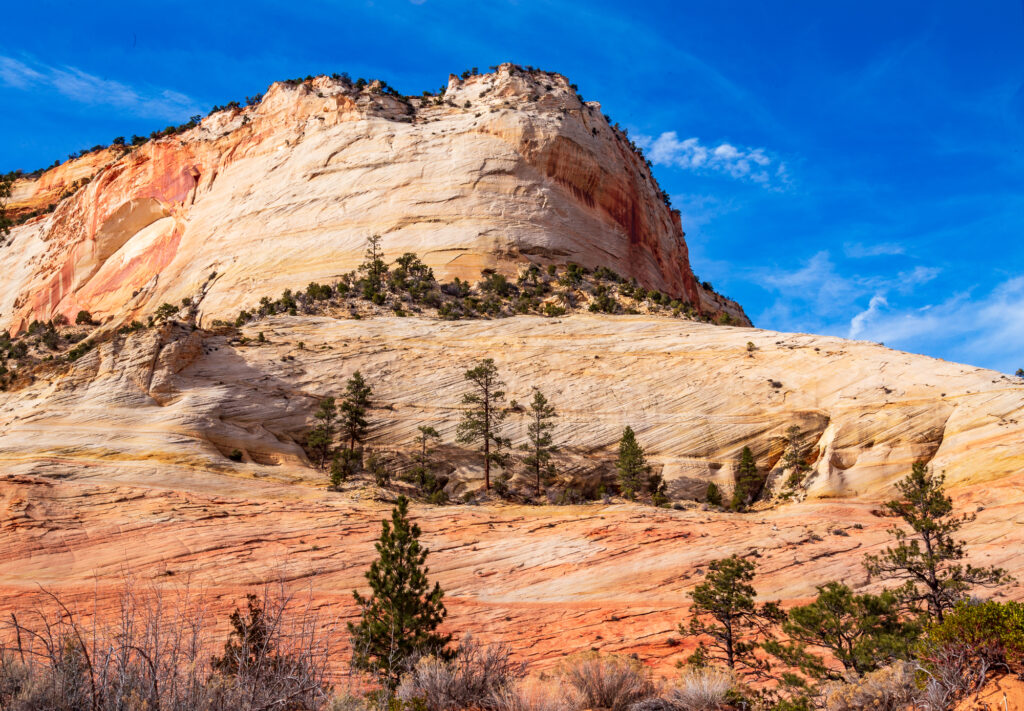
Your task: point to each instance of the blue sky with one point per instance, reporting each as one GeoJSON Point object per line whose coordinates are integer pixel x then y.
{"type": "Point", "coordinates": [849, 168]}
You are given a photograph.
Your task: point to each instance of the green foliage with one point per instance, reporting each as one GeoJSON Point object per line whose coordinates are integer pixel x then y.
{"type": "Point", "coordinates": [165, 311]}
{"type": "Point", "coordinates": [484, 413]}
{"type": "Point", "coordinates": [400, 618]}
{"type": "Point", "coordinates": [713, 495]}
{"type": "Point", "coordinates": [603, 301]}
{"type": "Point", "coordinates": [538, 433]}
{"type": "Point", "coordinates": [321, 438]}
{"type": "Point", "coordinates": [84, 318]}
{"type": "Point", "coordinates": [381, 474]}
{"type": "Point", "coordinates": [318, 292]}
{"type": "Point", "coordinates": [749, 482]}
{"type": "Point", "coordinates": [497, 284]}
{"type": "Point", "coordinates": [1020, 373]}
{"type": "Point", "coordinates": [235, 455]}
{"type": "Point", "coordinates": [354, 407]}
{"type": "Point", "coordinates": [427, 434]}
{"type": "Point", "coordinates": [74, 354]}
{"type": "Point", "coordinates": [728, 620]}
{"type": "Point", "coordinates": [344, 465]}
{"type": "Point", "coordinates": [631, 465]}
{"type": "Point", "coordinates": [795, 457]}
{"type": "Point", "coordinates": [928, 558]}
{"type": "Point", "coordinates": [861, 632]}
{"type": "Point", "coordinates": [374, 271]}
{"type": "Point", "coordinates": [412, 276]}
{"type": "Point", "coordinates": [980, 635]}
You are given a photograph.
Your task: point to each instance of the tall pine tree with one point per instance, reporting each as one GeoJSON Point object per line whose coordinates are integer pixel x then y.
{"type": "Point", "coordinates": [321, 437]}
{"type": "Point", "coordinates": [631, 465]}
{"type": "Point", "coordinates": [749, 481]}
{"type": "Point", "coordinates": [400, 618]}
{"type": "Point", "coordinates": [538, 433]}
{"type": "Point", "coordinates": [928, 559]}
{"type": "Point", "coordinates": [726, 616]}
{"type": "Point", "coordinates": [374, 271]}
{"type": "Point", "coordinates": [354, 408]}
{"type": "Point", "coordinates": [484, 414]}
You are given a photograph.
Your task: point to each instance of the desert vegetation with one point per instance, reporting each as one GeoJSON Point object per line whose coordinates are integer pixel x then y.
{"type": "Point", "coordinates": [892, 649]}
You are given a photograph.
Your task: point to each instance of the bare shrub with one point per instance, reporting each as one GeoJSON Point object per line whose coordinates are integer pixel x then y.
{"type": "Point", "coordinates": [473, 678]}
{"type": "Point", "coordinates": [153, 654]}
{"type": "Point", "coordinates": [608, 682]}
{"type": "Point", "coordinates": [888, 689]}
{"type": "Point", "coordinates": [533, 694]}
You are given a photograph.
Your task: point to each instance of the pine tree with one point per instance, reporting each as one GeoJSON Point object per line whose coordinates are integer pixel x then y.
{"type": "Point", "coordinates": [794, 458]}
{"type": "Point", "coordinates": [538, 433]}
{"type": "Point", "coordinates": [427, 434]}
{"type": "Point", "coordinates": [713, 495]}
{"type": "Point", "coordinates": [353, 410]}
{"type": "Point", "coordinates": [928, 558]}
{"type": "Point", "coordinates": [400, 617]}
{"type": "Point", "coordinates": [724, 611]}
{"type": "Point", "coordinates": [484, 414]}
{"type": "Point", "coordinates": [631, 464]}
{"type": "Point", "coordinates": [374, 270]}
{"type": "Point", "coordinates": [321, 437]}
{"type": "Point", "coordinates": [861, 632]}
{"type": "Point", "coordinates": [748, 482]}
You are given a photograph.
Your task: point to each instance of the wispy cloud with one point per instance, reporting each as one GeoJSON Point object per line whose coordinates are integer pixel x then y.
{"type": "Point", "coordinates": [859, 250]}
{"type": "Point", "coordinates": [85, 88]}
{"type": "Point", "coordinates": [753, 164]}
{"type": "Point", "coordinates": [987, 328]}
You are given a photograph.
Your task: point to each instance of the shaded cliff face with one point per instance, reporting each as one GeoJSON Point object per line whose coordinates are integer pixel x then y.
{"type": "Point", "coordinates": [509, 167]}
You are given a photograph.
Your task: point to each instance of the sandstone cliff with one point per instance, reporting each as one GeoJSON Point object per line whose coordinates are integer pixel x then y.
{"type": "Point", "coordinates": [501, 169]}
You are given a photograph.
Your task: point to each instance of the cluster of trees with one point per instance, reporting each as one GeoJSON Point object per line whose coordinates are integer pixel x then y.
{"type": "Point", "coordinates": [771, 659]}
{"type": "Point", "coordinates": [927, 619]}
{"type": "Point", "coordinates": [843, 632]}
{"type": "Point", "coordinates": [409, 285]}
{"type": "Point", "coordinates": [484, 411]}
{"type": "Point", "coordinates": [340, 431]}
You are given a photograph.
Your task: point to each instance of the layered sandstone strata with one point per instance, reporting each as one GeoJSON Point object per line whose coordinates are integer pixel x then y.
{"type": "Point", "coordinates": [501, 169]}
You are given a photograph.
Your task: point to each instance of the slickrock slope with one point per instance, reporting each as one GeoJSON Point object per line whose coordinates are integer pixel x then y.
{"type": "Point", "coordinates": [504, 168]}
{"type": "Point", "coordinates": [550, 580]}
{"type": "Point", "coordinates": [695, 395]}
{"type": "Point", "coordinates": [116, 465]}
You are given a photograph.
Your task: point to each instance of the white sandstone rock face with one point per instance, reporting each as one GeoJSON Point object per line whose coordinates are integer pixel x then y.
{"type": "Point", "coordinates": [174, 402]}
{"type": "Point", "coordinates": [510, 167]}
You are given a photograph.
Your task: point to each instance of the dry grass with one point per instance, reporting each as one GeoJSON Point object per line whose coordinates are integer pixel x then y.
{"type": "Point", "coordinates": [474, 678]}
{"type": "Point", "coordinates": [889, 689]}
{"type": "Point", "coordinates": [701, 689]}
{"type": "Point", "coordinates": [607, 682]}
{"type": "Point", "coordinates": [533, 694]}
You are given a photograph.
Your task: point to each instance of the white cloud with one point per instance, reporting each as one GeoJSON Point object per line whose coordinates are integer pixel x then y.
{"type": "Point", "coordinates": [858, 250]}
{"type": "Point", "coordinates": [17, 74]}
{"type": "Point", "coordinates": [86, 88]}
{"type": "Point", "coordinates": [971, 326]}
{"type": "Point", "coordinates": [857, 323]}
{"type": "Point", "coordinates": [753, 164]}
{"type": "Point", "coordinates": [987, 330]}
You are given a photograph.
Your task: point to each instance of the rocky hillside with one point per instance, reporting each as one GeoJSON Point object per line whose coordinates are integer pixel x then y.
{"type": "Point", "coordinates": [163, 435]}
{"type": "Point", "coordinates": [497, 170]}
